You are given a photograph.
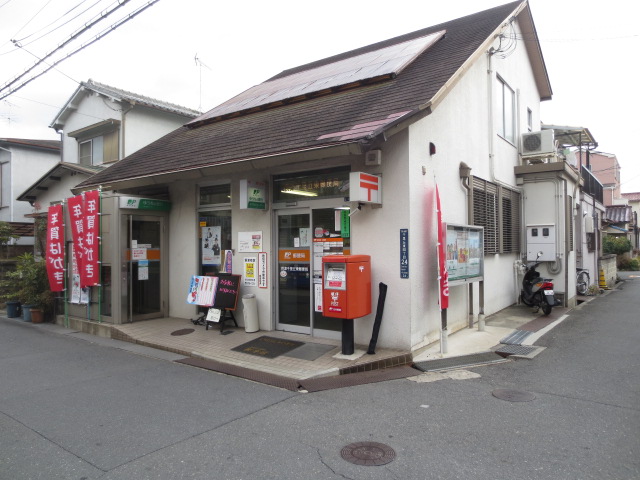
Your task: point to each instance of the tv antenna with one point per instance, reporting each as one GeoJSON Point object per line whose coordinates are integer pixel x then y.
{"type": "Point", "coordinates": [200, 65]}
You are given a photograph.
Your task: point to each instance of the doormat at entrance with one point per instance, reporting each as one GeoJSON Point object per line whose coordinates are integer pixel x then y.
{"type": "Point", "coordinates": [267, 347]}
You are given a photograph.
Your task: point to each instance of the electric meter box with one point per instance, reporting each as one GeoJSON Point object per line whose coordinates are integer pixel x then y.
{"type": "Point", "coordinates": [346, 286]}
{"type": "Point", "coordinates": [541, 238]}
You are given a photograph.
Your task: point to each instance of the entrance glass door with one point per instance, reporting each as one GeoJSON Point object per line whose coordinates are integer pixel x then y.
{"type": "Point", "coordinates": [144, 237]}
{"type": "Point", "coordinates": [304, 237]}
{"type": "Point", "coordinates": [294, 275]}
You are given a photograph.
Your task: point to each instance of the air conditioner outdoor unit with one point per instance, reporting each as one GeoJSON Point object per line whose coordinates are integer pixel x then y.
{"type": "Point", "coordinates": [535, 144]}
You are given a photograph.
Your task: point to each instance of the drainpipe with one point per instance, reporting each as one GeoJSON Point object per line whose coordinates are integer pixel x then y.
{"type": "Point", "coordinates": [10, 183]}
{"type": "Point", "coordinates": [123, 129]}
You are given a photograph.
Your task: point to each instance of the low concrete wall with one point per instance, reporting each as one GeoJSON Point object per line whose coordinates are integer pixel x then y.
{"type": "Point", "coordinates": [608, 269]}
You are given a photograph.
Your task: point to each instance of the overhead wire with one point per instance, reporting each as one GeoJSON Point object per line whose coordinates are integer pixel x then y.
{"type": "Point", "coordinates": [73, 37]}
{"type": "Point", "coordinates": [82, 47]}
{"type": "Point", "coordinates": [21, 40]}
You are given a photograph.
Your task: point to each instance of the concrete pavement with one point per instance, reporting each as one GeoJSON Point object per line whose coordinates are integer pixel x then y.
{"type": "Point", "coordinates": [176, 339]}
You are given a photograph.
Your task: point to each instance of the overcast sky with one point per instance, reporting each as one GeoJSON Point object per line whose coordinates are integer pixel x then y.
{"type": "Point", "coordinates": [591, 49]}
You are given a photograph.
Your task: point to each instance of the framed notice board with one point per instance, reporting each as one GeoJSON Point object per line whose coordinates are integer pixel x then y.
{"type": "Point", "coordinates": [227, 291]}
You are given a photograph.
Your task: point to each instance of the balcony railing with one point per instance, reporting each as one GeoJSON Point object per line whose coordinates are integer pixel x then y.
{"type": "Point", "coordinates": [592, 185]}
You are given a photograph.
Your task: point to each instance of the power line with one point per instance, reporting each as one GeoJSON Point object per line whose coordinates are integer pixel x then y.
{"type": "Point", "coordinates": [82, 47]}
{"type": "Point", "coordinates": [74, 36]}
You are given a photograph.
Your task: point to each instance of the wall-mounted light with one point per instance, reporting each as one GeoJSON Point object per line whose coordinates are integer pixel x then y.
{"type": "Point", "coordinates": [432, 148]}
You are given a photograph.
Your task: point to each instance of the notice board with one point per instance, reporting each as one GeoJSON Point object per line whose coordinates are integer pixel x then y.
{"type": "Point", "coordinates": [227, 291]}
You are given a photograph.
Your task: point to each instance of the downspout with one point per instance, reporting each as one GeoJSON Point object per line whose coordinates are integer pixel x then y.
{"type": "Point", "coordinates": [10, 183]}
{"type": "Point", "coordinates": [123, 129]}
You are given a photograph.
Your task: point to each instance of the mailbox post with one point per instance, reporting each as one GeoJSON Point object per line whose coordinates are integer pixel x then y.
{"type": "Point", "coordinates": [346, 292]}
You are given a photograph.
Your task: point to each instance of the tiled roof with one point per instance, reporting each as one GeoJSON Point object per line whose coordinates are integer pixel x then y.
{"type": "Point", "coordinates": [340, 117]}
{"type": "Point", "coordinates": [618, 214]}
{"type": "Point", "coordinates": [632, 197]}
{"type": "Point", "coordinates": [139, 99]}
{"type": "Point", "coordinates": [24, 142]}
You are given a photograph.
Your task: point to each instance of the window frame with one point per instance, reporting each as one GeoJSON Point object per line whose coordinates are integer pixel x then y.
{"type": "Point", "coordinates": [508, 134]}
{"type": "Point", "coordinates": [497, 209]}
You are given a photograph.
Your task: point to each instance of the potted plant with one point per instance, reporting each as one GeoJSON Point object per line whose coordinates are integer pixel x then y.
{"type": "Point", "coordinates": [29, 284]}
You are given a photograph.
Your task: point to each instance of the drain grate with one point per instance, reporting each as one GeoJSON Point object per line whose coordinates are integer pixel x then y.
{"type": "Point", "coordinates": [368, 453]}
{"type": "Point", "coordinates": [522, 350]}
{"type": "Point", "coordinates": [516, 338]}
{"type": "Point", "coordinates": [513, 395]}
{"type": "Point", "coordinates": [457, 362]}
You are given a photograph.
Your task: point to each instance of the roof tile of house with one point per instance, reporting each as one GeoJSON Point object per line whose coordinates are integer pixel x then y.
{"type": "Point", "coordinates": [347, 116]}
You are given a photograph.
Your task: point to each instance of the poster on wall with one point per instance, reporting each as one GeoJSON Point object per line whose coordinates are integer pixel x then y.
{"type": "Point", "coordinates": [250, 267]}
{"type": "Point", "coordinates": [202, 290]}
{"type": "Point", "coordinates": [211, 245]}
{"type": "Point", "coordinates": [250, 242]}
{"type": "Point", "coordinates": [78, 295]}
{"type": "Point", "coordinates": [262, 270]}
{"type": "Point", "coordinates": [227, 265]}
{"type": "Point", "coordinates": [464, 253]}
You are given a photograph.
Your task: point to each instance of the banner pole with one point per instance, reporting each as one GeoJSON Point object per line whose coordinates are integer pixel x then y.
{"type": "Point", "coordinates": [100, 273]}
{"type": "Point", "coordinates": [66, 264]}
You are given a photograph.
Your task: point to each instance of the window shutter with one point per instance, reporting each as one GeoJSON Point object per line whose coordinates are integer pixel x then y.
{"type": "Point", "coordinates": [485, 212]}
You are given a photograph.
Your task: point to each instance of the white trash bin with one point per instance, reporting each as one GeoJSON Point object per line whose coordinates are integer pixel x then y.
{"type": "Point", "coordinates": [250, 309]}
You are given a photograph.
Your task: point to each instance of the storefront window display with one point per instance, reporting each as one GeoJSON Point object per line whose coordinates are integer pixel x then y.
{"type": "Point", "coordinates": [214, 229]}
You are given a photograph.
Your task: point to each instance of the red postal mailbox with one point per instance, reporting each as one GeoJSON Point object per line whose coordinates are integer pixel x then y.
{"type": "Point", "coordinates": [346, 292]}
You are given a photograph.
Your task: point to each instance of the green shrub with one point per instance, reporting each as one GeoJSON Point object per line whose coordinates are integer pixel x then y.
{"type": "Point", "coordinates": [616, 245]}
{"type": "Point", "coordinates": [629, 264]}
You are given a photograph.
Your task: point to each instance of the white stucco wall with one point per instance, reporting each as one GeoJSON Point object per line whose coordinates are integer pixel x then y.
{"type": "Point", "coordinates": [26, 166]}
{"type": "Point", "coordinates": [139, 125]}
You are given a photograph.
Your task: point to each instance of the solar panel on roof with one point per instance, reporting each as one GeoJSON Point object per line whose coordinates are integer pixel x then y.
{"type": "Point", "coordinates": [383, 62]}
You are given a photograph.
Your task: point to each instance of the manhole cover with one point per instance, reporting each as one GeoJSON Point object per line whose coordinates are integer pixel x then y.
{"type": "Point", "coordinates": [368, 453]}
{"type": "Point", "coordinates": [183, 331]}
{"type": "Point", "coordinates": [513, 395]}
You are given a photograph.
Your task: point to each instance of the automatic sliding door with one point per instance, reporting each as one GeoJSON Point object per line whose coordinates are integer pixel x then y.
{"type": "Point", "coordinates": [294, 273]}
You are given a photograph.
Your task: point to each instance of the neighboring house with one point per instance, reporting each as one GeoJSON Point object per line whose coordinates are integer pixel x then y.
{"type": "Point", "coordinates": [589, 210]}
{"type": "Point", "coordinates": [605, 167]}
{"type": "Point", "coordinates": [270, 172]}
{"type": "Point", "coordinates": [21, 162]}
{"type": "Point", "coordinates": [634, 203]}
{"type": "Point", "coordinates": [100, 124]}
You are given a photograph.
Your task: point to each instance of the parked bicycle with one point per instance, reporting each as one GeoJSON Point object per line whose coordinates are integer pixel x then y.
{"type": "Point", "coordinates": [582, 281]}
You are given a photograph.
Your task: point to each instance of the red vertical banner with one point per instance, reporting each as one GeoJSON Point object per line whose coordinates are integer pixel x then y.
{"type": "Point", "coordinates": [76, 217]}
{"type": "Point", "coordinates": [90, 268]}
{"type": "Point", "coordinates": [443, 277]}
{"type": "Point", "coordinates": [55, 248]}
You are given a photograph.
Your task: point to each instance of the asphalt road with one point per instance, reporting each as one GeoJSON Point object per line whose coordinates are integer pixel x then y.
{"type": "Point", "coordinates": [72, 409]}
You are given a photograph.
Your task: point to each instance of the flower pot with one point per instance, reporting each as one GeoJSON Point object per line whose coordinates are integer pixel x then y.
{"type": "Point", "coordinates": [37, 315]}
{"type": "Point", "coordinates": [26, 312]}
{"type": "Point", "coordinates": [13, 309]}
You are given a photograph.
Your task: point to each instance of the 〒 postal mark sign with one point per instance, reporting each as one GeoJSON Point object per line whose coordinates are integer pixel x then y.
{"type": "Point", "coordinates": [365, 188]}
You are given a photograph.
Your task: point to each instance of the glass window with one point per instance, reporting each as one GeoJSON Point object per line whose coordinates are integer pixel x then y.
{"type": "Point", "coordinates": [330, 183]}
{"type": "Point", "coordinates": [215, 195]}
{"type": "Point", "coordinates": [506, 111]}
{"type": "Point", "coordinates": [214, 238]}
{"type": "Point", "coordinates": [98, 150]}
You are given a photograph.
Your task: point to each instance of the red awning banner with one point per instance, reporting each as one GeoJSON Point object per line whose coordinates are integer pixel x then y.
{"type": "Point", "coordinates": [84, 211]}
{"type": "Point", "coordinates": [76, 217]}
{"type": "Point", "coordinates": [90, 269]}
{"type": "Point", "coordinates": [55, 248]}
{"type": "Point", "coordinates": [443, 275]}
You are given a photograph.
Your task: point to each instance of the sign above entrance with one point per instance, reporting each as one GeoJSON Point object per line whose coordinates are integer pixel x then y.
{"type": "Point", "coordinates": [253, 195]}
{"type": "Point", "coordinates": [365, 188]}
{"type": "Point", "coordinates": [145, 203]}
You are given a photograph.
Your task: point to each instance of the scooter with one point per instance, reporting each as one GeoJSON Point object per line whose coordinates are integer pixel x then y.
{"type": "Point", "coordinates": [536, 291]}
